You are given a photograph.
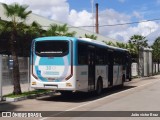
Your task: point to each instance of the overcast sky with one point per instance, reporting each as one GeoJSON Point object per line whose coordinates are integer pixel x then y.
{"type": "Point", "coordinates": [111, 12]}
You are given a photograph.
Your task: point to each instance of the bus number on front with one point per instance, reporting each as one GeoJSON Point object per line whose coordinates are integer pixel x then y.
{"type": "Point", "coordinates": [50, 67]}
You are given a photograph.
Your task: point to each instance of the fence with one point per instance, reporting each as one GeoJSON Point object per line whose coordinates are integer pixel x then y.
{"type": "Point", "coordinates": [7, 71]}
{"type": "Point", "coordinates": [7, 81]}
{"type": "Point", "coordinates": [156, 68]}
{"type": "Point", "coordinates": [7, 74]}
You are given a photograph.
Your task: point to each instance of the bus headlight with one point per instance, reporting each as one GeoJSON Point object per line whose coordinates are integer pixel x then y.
{"type": "Point", "coordinates": [34, 83]}
{"type": "Point", "coordinates": [68, 84]}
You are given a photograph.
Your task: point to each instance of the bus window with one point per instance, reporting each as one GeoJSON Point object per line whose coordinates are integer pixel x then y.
{"type": "Point", "coordinates": [100, 56]}
{"type": "Point", "coordinates": [82, 54]}
{"type": "Point", "coordinates": [118, 58]}
{"type": "Point", "coordinates": [52, 48]}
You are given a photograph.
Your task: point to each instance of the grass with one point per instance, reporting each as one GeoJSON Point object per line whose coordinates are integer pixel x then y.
{"type": "Point", "coordinates": [11, 95]}
{"type": "Point", "coordinates": [133, 77]}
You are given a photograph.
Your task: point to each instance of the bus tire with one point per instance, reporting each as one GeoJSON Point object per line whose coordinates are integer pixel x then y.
{"type": "Point", "coordinates": [99, 87]}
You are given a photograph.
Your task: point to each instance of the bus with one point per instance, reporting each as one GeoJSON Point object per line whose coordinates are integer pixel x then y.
{"type": "Point", "coordinates": [69, 64]}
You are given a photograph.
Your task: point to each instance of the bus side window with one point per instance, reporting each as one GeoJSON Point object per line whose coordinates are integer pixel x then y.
{"type": "Point", "coordinates": [82, 54]}
{"type": "Point", "coordinates": [100, 56]}
{"type": "Point", "coordinates": [118, 58]}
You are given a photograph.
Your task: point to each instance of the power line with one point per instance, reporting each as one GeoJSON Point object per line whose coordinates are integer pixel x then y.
{"type": "Point", "coordinates": [120, 23]}
{"type": "Point", "coordinates": [110, 25]}
{"type": "Point", "coordinates": [131, 22]}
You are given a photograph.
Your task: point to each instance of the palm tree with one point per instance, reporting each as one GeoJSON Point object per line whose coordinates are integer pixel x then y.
{"type": "Point", "coordinates": [91, 36]}
{"type": "Point", "coordinates": [4, 36]}
{"type": "Point", "coordinates": [156, 50]}
{"type": "Point", "coordinates": [30, 32]}
{"type": "Point", "coordinates": [17, 14]}
{"type": "Point", "coordinates": [59, 30]}
{"type": "Point", "coordinates": [139, 41]}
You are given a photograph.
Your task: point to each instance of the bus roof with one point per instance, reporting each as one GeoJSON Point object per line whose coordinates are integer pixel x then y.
{"type": "Point", "coordinates": [102, 43]}
{"type": "Point", "coordinates": [88, 40]}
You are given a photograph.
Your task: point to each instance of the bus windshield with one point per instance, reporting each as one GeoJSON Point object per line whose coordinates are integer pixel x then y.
{"type": "Point", "coordinates": [52, 48]}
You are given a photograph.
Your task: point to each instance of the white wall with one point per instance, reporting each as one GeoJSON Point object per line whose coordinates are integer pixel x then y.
{"type": "Point", "coordinates": [134, 70]}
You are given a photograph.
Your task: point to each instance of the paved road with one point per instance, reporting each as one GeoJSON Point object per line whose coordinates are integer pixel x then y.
{"type": "Point", "coordinates": [138, 95]}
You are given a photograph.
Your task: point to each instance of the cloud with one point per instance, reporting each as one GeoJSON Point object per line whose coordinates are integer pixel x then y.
{"type": "Point", "coordinates": [12, 1]}
{"type": "Point", "coordinates": [53, 9]}
{"type": "Point", "coordinates": [60, 10]}
{"type": "Point", "coordinates": [82, 18]}
{"type": "Point", "coordinates": [137, 15]}
{"type": "Point", "coordinates": [144, 28]}
{"type": "Point", "coordinates": [111, 17]}
{"type": "Point", "coordinates": [154, 35]}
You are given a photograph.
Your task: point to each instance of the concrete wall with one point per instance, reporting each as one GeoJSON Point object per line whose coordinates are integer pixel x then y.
{"type": "Point", "coordinates": [7, 73]}
{"type": "Point", "coordinates": [134, 69]}
{"type": "Point", "coordinates": [23, 65]}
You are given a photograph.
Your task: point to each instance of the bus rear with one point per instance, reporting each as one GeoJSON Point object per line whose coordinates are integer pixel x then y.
{"type": "Point", "coordinates": [52, 63]}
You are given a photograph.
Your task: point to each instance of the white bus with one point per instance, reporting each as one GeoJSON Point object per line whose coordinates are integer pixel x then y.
{"type": "Point", "coordinates": [77, 64]}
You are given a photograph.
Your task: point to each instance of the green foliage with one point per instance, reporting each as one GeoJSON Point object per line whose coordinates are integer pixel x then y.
{"type": "Point", "coordinates": [121, 45]}
{"type": "Point", "coordinates": [110, 43]}
{"type": "Point", "coordinates": [16, 12]}
{"type": "Point", "coordinates": [18, 15]}
{"type": "Point", "coordinates": [27, 93]}
{"type": "Point", "coordinates": [156, 49]}
{"type": "Point", "coordinates": [91, 36]}
{"type": "Point", "coordinates": [59, 30]}
{"type": "Point", "coordinates": [138, 40]}
{"type": "Point", "coordinates": [132, 48]}
{"type": "Point", "coordinates": [129, 46]}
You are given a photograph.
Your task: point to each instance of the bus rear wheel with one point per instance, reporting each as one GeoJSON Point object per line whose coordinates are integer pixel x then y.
{"type": "Point", "coordinates": [99, 87]}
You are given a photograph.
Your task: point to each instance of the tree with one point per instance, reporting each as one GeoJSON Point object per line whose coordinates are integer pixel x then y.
{"type": "Point", "coordinates": [156, 49]}
{"type": "Point", "coordinates": [121, 45]}
{"type": "Point", "coordinates": [30, 32]}
{"type": "Point", "coordinates": [91, 36]}
{"type": "Point", "coordinates": [4, 36]}
{"type": "Point", "coordinates": [136, 42]}
{"type": "Point", "coordinates": [131, 48]}
{"type": "Point", "coordinates": [59, 30]}
{"type": "Point", "coordinates": [18, 15]}
{"type": "Point", "coordinates": [139, 41]}
{"type": "Point", "coordinates": [111, 43]}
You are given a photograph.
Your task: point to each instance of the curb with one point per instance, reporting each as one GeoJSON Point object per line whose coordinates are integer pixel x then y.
{"type": "Point", "coordinates": [9, 99]}
{"type": "Point", "coordinates": [32, 96]}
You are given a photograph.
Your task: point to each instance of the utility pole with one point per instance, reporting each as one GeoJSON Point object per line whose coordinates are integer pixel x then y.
{"type": "Point", "coordinates": [92, 4]}
{"type": "Point", "coordinates": [97, 25]}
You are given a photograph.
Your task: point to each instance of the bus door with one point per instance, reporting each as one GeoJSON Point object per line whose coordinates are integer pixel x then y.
{"type": "Point", "coordinates": [110, 68]}
{"type": "Point", "coordinates": [91, 68]}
